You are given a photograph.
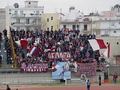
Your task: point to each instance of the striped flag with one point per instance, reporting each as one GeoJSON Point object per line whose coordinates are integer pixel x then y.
{"type": "Point", "coordinates": [34, 51]}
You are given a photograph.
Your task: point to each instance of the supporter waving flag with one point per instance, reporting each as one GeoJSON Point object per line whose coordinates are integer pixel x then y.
{"type": "Point", "coordinates": [34, 51]}
{"type": "Point", "coordinates": [50, 49]}
{"type": "Point", "coordinates": [22, 42]}
{"type": "Point", "coordinates": [97, 44]}
{"type": "Point", "coordinates": [107, 51]}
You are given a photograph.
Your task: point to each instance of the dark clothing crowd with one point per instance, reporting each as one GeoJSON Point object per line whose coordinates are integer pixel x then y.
{"type": "Point", "coordinates": [64, 41]}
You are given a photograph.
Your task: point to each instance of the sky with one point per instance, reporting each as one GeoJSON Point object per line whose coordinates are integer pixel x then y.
{"type": "Point", "coordinates": [85, 6]}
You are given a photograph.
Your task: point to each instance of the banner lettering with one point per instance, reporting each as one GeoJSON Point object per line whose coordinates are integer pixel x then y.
{"type": "Point", "coordinates": [42, 67]}
{"type": "Point", "coordinates": [59, 55]}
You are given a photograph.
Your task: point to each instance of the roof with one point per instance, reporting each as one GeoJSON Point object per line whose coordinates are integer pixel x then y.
{"type": "Point", "coordinates": [117, 6]}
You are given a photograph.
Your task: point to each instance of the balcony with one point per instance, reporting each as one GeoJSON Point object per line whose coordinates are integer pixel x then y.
{"type": "Point", "coordinates": [87, 20]}
{"type": "Point", "coordinates": [26, 16]}
{"type": "Point", "coordinates": [25, 24]}
{"type": "Point", "coordinates": [69, 21]}
{"type": "Point", "coordinates": [19, 16]}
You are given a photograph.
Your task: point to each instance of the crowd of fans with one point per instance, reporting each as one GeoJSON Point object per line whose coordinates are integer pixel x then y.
{"type": "Point", "coordinates": [64, 41]}
{"type": "Point", "coordinates": [7, 45]}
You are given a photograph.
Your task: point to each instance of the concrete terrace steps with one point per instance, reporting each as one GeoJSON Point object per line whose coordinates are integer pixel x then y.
{"type": "Point", "coordinates": [3, 52]}
{"type": "Point", "coordinates": [6, 66]}
{"type": "Point", "coordinates": [4, 70]}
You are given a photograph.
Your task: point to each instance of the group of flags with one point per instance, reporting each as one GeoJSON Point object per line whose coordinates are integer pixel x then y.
{"type": "Point", "coordinates": [34, 50]}
{"type": "Point", "coordinates": [96, 44]}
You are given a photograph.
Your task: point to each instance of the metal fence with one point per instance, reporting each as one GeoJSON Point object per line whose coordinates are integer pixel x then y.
{"type": "Point", "coordinates": [113, 68]}
{"type": "Point", "coordinates": [44, 78]}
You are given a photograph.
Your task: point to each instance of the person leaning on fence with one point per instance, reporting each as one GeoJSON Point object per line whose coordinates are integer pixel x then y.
{"type": "Point", "coordinates": [88, 84]}
{"type": "Point", "coordinates": [8, 88]}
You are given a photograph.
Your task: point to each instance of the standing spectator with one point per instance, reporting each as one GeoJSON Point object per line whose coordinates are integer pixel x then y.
{"type": "Point", "coordinates": [102, 58]}
{"type": "Point", "coordinates": [0, 39]}
{"type": "Point", "coordinates": [0, 60]}
{"type": "Point", "coordinates": [99, 80]}
{"type": "Point", "coordinates": [115, 76]}
{"type": "Point", "coordinates": [8, 88]}
{"type": "Point", "coordinates": [5, 33]}
{"type": "Point", "coordinates": [88, 85]}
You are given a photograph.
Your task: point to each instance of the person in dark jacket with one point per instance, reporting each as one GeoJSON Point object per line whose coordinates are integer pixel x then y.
{"type": "Point", "coordinates": [99, 80]}
{"type": "Point", "coordinates": [8, 88]}
{"type": "Point", "coordinates": [0, 60]}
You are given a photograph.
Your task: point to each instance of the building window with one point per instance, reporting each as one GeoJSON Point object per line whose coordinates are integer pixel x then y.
{"type": "Point", "coordinates": [85, 27]}
{"type": "Point", "coordinates": [73, 27]}
{"type": "Point", "coordinates": [51, 27]}
{"type": "Point", "coordinates": [47, 19]}
{"type": "Point", "coordinates": [17, 20]}
{"type": "Point", "coordinates": [114, 31]}
{"type": "Point", "coordinates": [78, 26]}
{"type": "Point", "coordinates": [64, 26]}
{"type": "Point", "coordinates": [16, 12]}
{"type": "Point", "coordinates": [29, 2]}
{"type": "Point", "coordinates": [37, 12]}
{"type": "Point", "coordinates": [112, 23]}
{"type": "Point", "coordinates": [60, 18]}
{"type": "Point", "coordinates": [51, 18]}
{"type": "Point", "coordinates": [39, 20]}
{"type": "Point", "coordinates": [21, 12]}
{"type": "Point", "coordinates": [48, 28]}
{"type": "Point", "coordinates": [118, 9]}
{"type": "Point", "coordinates": [27, 21]}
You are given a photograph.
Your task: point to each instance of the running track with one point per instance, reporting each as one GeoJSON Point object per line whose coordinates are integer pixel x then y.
{"type": "Point", "coordinates": [109, 87]}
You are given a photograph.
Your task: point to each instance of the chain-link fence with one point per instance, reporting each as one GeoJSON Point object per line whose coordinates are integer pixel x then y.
{"type": "Point", "coordinates": [113, 69]}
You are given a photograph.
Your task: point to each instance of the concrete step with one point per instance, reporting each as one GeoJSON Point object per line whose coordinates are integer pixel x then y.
{"type": "Point", "coordinates": [6, 66]}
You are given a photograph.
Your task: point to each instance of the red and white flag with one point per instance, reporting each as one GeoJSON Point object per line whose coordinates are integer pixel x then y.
{"type": "Point", "coordinates": [97, 44]}
{"type": "Point", "coordinates": [22, 43]}
{"type": "Point", "coordinates": [50, 49]}
{"type": "Point", "coordinates": [107, 51]}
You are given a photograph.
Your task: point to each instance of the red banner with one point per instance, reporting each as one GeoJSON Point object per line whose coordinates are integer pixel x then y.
{"type": "Point", "coordinates": [88, 69]}
{"type": "Point", "coordinates": [59, 55]}
{"type": "Point", "coordinates": [42, 67]}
